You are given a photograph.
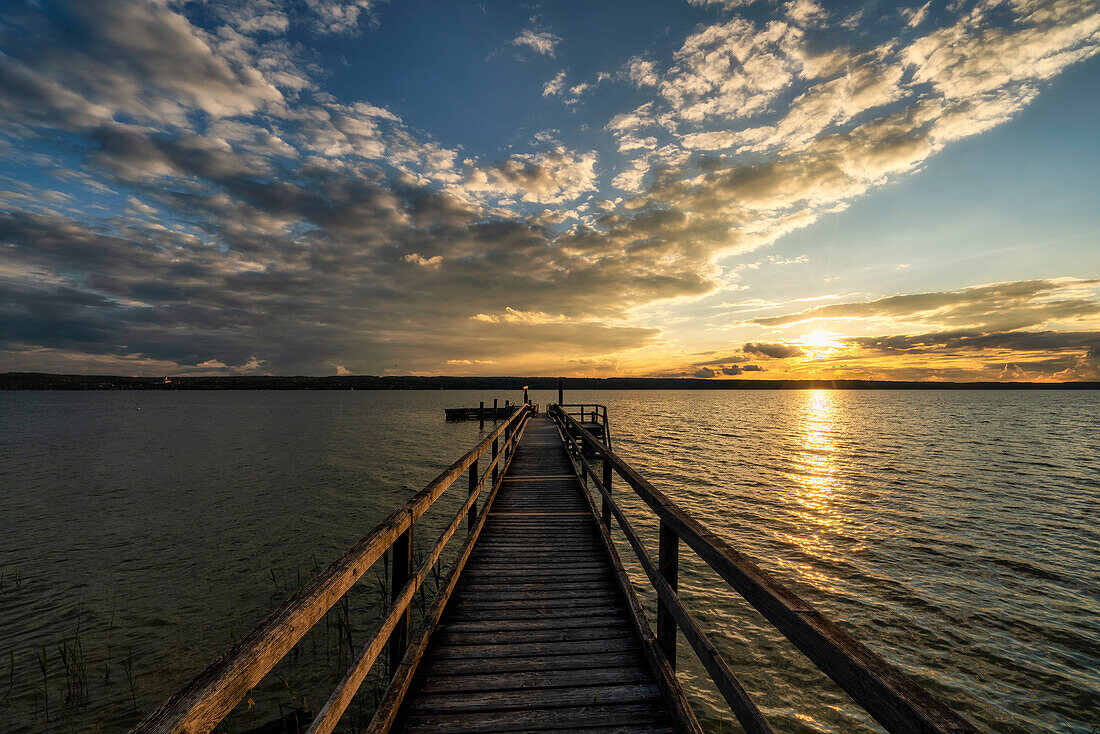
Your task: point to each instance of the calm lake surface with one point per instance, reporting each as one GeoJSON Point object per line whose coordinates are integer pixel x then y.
{"type": "Point", "coordinates": [954, 533]}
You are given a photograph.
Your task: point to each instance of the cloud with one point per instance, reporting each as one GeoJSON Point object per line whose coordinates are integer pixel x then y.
{"type": "Point", "coordinates": [139, 59]}
{"type": "Point", "coordinates": [425, 262]}
{"type": "Point", "coordinates": [555, 86]}
{"type": "Point", "coordinates": [804, 12]}
{"type": "Point", "coordinates": [997, 306]}
{"type": "Point", "coordinates": [221, 207]}
{"type": "Point", "coordinates": [723, 4]}
{"type": "Point", "coordinates": [773, 351]}
{"type": "Point", "coordinates": [735, 369]}
{"type": "Point", "coordinates": [935, 342]}
{"type": "Point", "coordinates": [641, 72]}
{"type": "Point", "coordinates": [915, 16]}
{"type": "Point", "coordinates": [551, 177]}
{"type": "Point", "coordinates": [541, 42]}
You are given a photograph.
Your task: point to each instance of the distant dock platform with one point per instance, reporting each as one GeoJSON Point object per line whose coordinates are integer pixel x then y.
{"type": "Point", "coordinates": [490, 413]}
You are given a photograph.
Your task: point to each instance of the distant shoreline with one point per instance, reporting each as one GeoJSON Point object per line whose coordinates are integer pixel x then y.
{"type": "Point", "coordinates": [43, 381]}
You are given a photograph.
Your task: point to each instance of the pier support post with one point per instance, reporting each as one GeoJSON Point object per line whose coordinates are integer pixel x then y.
{"type": "Point", "coordinates": [495, 414]}
{"type": "Point", "coordinates": [473, 488]}
{"type": "Point", "coordinates": [606, 499]}
{"type": "Point", "coordinates": [561, 391]}
{"type": "Point", "coordinates": [668, 563]}
{"type": "Point", "coordinates": [481, 414]}
{"type": "Point", "coordinates": [402, 571]}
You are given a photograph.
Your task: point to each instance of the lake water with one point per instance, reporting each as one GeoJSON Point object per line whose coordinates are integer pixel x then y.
{"type": "Point", "coordinates": [954, 533]}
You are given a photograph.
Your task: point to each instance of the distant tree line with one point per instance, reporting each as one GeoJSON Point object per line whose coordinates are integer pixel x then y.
{"type": "Point", "coordinates": [43, 381]}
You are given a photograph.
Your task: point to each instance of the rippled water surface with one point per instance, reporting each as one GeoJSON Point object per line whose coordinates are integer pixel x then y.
{"type": "Point", "coordinates": [954, 533]}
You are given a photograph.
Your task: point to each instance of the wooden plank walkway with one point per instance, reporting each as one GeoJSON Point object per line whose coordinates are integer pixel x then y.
{"type": "Point", "coordinates": [537, 635]}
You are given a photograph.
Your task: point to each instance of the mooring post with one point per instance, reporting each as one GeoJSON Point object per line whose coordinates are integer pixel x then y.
{"type": "Point", "coordinates": [668, 563]}
{"type": "Point", "coordinates": [496, 466]}
{"type": "Point", "coordinates": [473, 488]}
{"type": "Point", "coordinates": [402, 571]}
{"type": "Point", "coordinates": [561, 391]}
{"type": "Point", "coordinates": [481, 414]}
{"type": "Point", "coordinates": [606, 498]}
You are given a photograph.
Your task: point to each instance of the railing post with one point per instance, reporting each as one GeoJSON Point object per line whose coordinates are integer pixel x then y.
{"type": "Point", "coordinates": [402, 571]}
{"type": "Point", "coordinates": [496, 466]}
{"type": "Point", "coordinates": [607, 497]}
{"type": "Point", "coordinates": [474, 476]}
{"type": "Point", "coordinates": [495, 410]}
{"type": "Point", "coordinates": [668, 563]}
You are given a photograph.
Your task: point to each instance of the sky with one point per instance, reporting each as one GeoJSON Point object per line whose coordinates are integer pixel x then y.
{"type": "Point", "coordinates": [710, 188]}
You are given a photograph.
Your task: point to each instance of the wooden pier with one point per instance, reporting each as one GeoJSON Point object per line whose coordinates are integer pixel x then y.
{"type": "Point", "coordinates": [536, 626]}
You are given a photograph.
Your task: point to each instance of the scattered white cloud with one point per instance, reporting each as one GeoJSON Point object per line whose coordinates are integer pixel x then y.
{"type": "Point", "coordinates": [416, 258]}
{"type": "Point", "coordinates": [541, 42]}
{"type": "Point", "coordinates": [915, 16]}
{"type": "Point", "coordinates": [555, 86]}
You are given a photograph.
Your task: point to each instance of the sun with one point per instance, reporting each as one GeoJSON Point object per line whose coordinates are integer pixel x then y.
{"type": "Point", "coordinates": [819, 340]}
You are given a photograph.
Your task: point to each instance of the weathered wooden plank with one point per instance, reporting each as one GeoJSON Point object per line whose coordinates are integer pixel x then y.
{"type": "Point", "coordinates": [651, 728]}
{"type": "Point", "coordinates": [553, 593]}
{"type": "Point", "coordinates": [535, 613]}
{"type": "Point", "coordinates": [539, 719]}
{"type": "Point", "coordinates": [564, 586]}
{"type": "Point", "coordinates": [534, 664]}
{"type": "Point", "coordinates": [542, 679]}
{"type": "Point", "coordinates": [534, 649]}
{"type": "Point", "coordinates": [605, 631]}
{"type": "Point", "coordinates": [480, 625]}
{"type": "Point", "coordinates": [531, 698]}
{"type": "Point", "coordinates": [556, 569]}
{"type": "Point", "coordinates": [520, 555]}
{"type": "Point", "coordinates": [503, 607]}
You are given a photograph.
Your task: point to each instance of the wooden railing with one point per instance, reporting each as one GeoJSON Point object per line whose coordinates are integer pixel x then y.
{"type": "Point", "coordinates": [897, 702]}
{"type": "Point", "coordinates": [590, 413]}
{"type": "Point", "coordinates": [203, 703]}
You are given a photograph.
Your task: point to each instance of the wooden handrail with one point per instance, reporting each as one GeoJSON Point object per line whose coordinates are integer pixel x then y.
{"type": "Point", "coordinates": [388, 707]}
{"type": "Point", "coordinates": [599, 415]}
{"type": "Point", "coordinates": [751, 718]}
{"type": "Point", "coordinates": [200, 705]}
{"type": "Point", "coordinates": [897, 702]}
{"type": "Point", "coordinates": [342, 695]}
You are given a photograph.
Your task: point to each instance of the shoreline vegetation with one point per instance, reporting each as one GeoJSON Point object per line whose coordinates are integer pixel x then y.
{"type": "Point", "coordinates": [46, 381]}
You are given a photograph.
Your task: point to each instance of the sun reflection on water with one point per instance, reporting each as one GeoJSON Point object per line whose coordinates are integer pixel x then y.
{"type": "Point", "coordinates": [816, 429]}
{"type": "Point", "coordinates": [814, 484]}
